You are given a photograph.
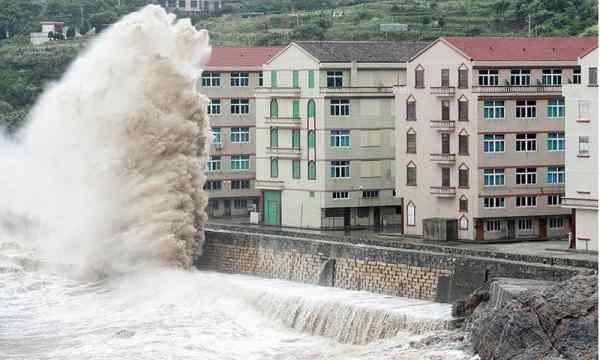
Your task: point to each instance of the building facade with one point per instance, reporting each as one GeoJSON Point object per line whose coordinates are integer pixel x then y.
{"type": "Point", "coordinates": [229, 80]}
{"type": "Point", "coordinates": [325, 134]}
{"type": "Point", "coordinates": [204, 6]}
{"type": "Point", "coordinates": [480, 135]}
{"type": "Point", "coordinates": [581, 135]}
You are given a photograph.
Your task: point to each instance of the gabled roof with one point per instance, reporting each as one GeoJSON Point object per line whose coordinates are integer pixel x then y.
{"type": "Point", "coordinates": [241, 56]}
{"type": "Point", "coordinates": [523, 48]}
{"type": "Point", "coordinates": [362, 51]}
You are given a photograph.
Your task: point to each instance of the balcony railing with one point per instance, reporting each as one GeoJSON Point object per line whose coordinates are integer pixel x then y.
{"type": "Point", "coordinates": [447, 159]}
{"type": "Point", "coordinates": [285, 151]}
{"type": "Point", "coordinates": [443, 90]}
{"type": "Point", "coordinates": [442, 125]}
{"type": "Point", "coordinates": [443, 191]}
{"type": "Point", "coordinates": [527, 89]}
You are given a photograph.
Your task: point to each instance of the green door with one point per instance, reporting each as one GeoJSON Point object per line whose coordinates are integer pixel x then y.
{"type": "Point", "coordinates": [272, 206]}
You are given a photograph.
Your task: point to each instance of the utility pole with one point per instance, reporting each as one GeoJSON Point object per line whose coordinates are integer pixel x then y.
{"type": "Point", "coordinates": [529, 25]}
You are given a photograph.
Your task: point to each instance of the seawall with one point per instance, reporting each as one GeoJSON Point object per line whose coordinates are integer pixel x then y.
{"type": "Point", "coordinates": [428, 272]}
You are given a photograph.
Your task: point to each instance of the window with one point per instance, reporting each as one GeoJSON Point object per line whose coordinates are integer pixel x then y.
{"type": "Point", "coordinates": [216, 136]}
{"type": "Point", "coordinates": [296, 109]}
{"type": "Point", "coordinates": [273, 79]}
{"type": "Point", "coordinates": [240, 203]}
{"type": "Point", "coordinates": [194, 4]}
{"type": "Point", "coordinates": [493, 202]}
{"type": "Point", "coordinates": [493, 177]}
{"type": "Point", "coordinates": [526, 108]}
{"type": "Point", "coordinates": [463, 204]}
{"type": "Point", "coordinates": [551, 76]}
{"type": "Point", "coordinates": [274, 138]}
{"type": "Point", "coordinates": [526, 201]}
{"type": "Point", "coordinates": [335, 79]}
{"type": "Point", "coordinates": [493, 109]}
{"type": "Point", "coordinates": [312, 170]}
{"type": "Point", "coordinates": [295, 79]}
{"type": "Point", "coordinates": [463, 178]}
{"type": "Point", "coordinates": [340, 138]}
{"type": "Point", "coordinates": [340, 195]}
{"type": "Point", "coordinates": [240, 106]}
{"type": "Point", "coordinates": [445, 77]}
{"type": "Point", "coordinates": [211, 79]}
{"type": "Point", "coordinates": [593, 76]}
{"type": "Point", "coordinates": [492, 226]}
{"type": "Point", "coordinates": [411, 174]}
{"type": "Point", "coordinates": [445, 177]}
{"type": "Point", "coordinates": [556, 108]}
{"type": "Point", "coordinates": [240, 135]}
{"type": "Point", "coordinates": [577, 76]}
{"type": "Point", "coordinates": [446, 110]}
{"type": "Point", "coordinates": [488, 77]}
{"type": "Point", "coordinates": [339, 107]}
{"type": "Point", "coordinates": [525, 225]}
{"type": "Point", "coordinates": [214, 204]}
{"type": "Point", "coordinates": [554, 200]}
{"type": "Point", "coordinates": [296, 139]}
{"type": "Point", "coordinates": [311, 79]}
{"type": "Point", "coordinates": [240, 162]}
{"type": "Point", "coordinates": [411, 109]}
{"type": "Point", "coordinates": [240, 79]}
{"type": "Point", "coordinates": [410, 214]}
{"type": "Point", "coordinates": [240, 184]}
{"type": "Point", "coordinates": [274, 167]}
{"type": "Point", "coordinates": [340, 169]}
{"type": "Point", "coordinates": [556, 223]}
{"type": "Point", "coordinates": [493, 143]}
{"type": "Point", "coordinates": [419, 77]}
{"type": "Point", "coordinates": [526, 176]}
{"type": "Point", "coordinates": [214, 107]}
{"type": "Point", "coordinates": [312, 109]}
{"type": "Point", "coordinates": [261, 80]}
{"type": "Point", "coordinates": [371, 194]}
{"type": "Point", "coordinates": [520, 77]}
{"type": "Point", "coordinates": [362, 212]}
{"type": "Point", "coordinates": [463, 223]}
{"type": "Point", "coordinates": [214, 163]}
{"type": "Point", "coordinates": [463, 78]}
{"type": "Point", "coordinates": [463, 144]}
{"type": "Point", "coordinates": [213, 185]}
{"type": "Point", "coordinates": [296, 169]}
{"type": "Point", "coordinates": [311, 139]}
{"type": "Point", "coordinates": [556, 175]}
{"type": "Point", "coordinates": [526, 142]}
{"type": "Point", "coordinates": [556, 141]}
{"type": "Point", "coordinates": [584, 146]}
{"type": "Point", "coordinates": [181, 3]}
{"type": "Point", "coordinates": [463, 110]}
{"type": "Point", "coordinates": [274, 109]}
{"type": "Point", "coordinates": [411, 143]}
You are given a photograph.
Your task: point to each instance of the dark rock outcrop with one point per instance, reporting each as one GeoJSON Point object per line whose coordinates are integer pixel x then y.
{"type": "Point", "coordinates": [557, 322]}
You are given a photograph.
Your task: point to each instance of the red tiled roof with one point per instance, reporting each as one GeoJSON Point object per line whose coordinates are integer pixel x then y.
{"type": "Point", "coordinates": [241, 56]}
{"type": "Point", "coordinates": [523, 48]}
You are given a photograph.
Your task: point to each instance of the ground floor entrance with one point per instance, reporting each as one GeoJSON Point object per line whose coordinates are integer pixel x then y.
{"type": "Point", "coordinates": [272, 208]}
{"type": "Point", "coordinates": [522, 228]}
{"type": "Point", "coordinates": [379, 216]}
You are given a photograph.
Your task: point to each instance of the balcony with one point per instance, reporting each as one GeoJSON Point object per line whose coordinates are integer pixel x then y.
{"type": "Point", "coordinates": [512, 89]}
{"type": "Point", "coordinates": [283, 122]}
{"type": "Point", "coordinates": [443, 159]}
{"type": "Point", "coordinates": [368, 91]}
{"type": "Point", "coordinates": [443, 191]}
{"type": "Point", "coordinates": [443, 91]}
{"type": "Point", "coordinates": [442, 125]}
{"type": "Point", "coordinates": [284, 152]}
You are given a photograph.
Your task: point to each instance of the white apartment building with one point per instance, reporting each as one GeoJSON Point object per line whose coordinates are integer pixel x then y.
{"type": "Point", "coordinates": [480, 135]}
{"type": "Point", "coordinates": [581, 135]}
{"type": "Point", "coordinates": [205, 6]}
{"type": "Point", "coordinates": [325, 134]}
{"type": "Point", "coordinates": [229, 79]}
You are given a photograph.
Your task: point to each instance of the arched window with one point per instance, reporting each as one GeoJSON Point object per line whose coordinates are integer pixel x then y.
{"type": "Point", "coordinates": [463, 176]}
{"type": "Point", "coordinates": [411, 141]}
{"type": "Point", "coordinates": [463, 76]}
{"type": "Point", "coordinates": [411, 109]}
{"type": "Point", "coordinates": [463, 109]}
{"type": "Point", "coordinates": [419, 77]}
{"type": "Point", "coordinates": [463, 223]}
{"type": "Point", "coordinates": [312, 109]}
{"type": "Point", "coordinates": [463, 143]}
{"type": "Point", "coordinates": [311, 139]}
{"type": "Point", "coordinates": [312, 170]}
{"type": "Point", "coordinates": [411, 174]}
{"type": "Point", "coordinates": [274, 109]}
{"type": "Point", "coordinates": [411, 213]}
{"type": "Point", "coordinates": [463, 204]}
{"type": "Point", "coordinates": [274, 137]}
{"type": "Point", "coordinates": [274, 167]}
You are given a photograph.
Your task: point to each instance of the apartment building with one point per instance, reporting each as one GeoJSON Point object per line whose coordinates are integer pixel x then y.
{"type": "Point", "coordinates": [205, 6]}
{"type": "Point", "coordinates": [581, 152]}
{"type": "Point", "coordinates": [229, 79]}
{"type": "Point", "coordinates": [325, 134]}
{"type": "Point", "coordinates": [480, 132]}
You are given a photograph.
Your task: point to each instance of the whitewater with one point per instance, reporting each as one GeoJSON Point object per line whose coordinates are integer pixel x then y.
{"type": "Point", "coordinates": [101, 215]}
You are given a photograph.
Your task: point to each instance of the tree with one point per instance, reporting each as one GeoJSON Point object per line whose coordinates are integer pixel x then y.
{"type": "Point", "coordinates": [71, 33]}
{"type": "Point", "coordinates": [51, 35]}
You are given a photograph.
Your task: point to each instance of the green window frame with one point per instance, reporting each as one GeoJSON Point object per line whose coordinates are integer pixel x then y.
{"type": "Point", "coordinates": [296, 169]}
{"type": "Point", "coordinates": [311, 79]}
{"type": "Point", "coordinates": [311, 139]}
{"type": "Point", "coordinates": [295, 79]}
{"type": "Point", "coordinates": [273, 79]}
{"type": "Point", "coordinates": [274, 137]}
{"type": "Point", "coordinates": [296, 109]}
{"type": "Point", "coordinates": [274, 109]}
{"type": "Point", "coordinates": [296, 138]}
{"type": "Point", "coordinates": [312, 170]}
{"type": "Point", "coordinates": [556, 108]}
{"type": "Point", "coordinates": [274, 167]}
{"type": "Point", "coordinates": [312, 109]}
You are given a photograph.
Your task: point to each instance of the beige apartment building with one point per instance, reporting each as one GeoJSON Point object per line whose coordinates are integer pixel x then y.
{"type": "Point", "coordinates": [480, 135]}
{"type": "Point", "coordinates": [581, 152]}
{"type": "Point", "coordinates": [205, 6]}
{"type": "Point", "coordinates": [325, 134]}
{"type": "Point", "coordinates": [230, 78]}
